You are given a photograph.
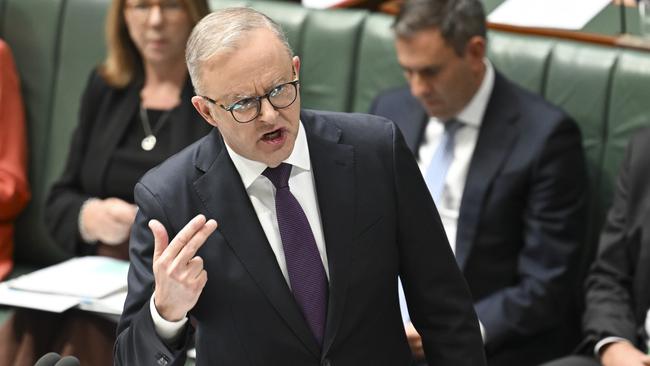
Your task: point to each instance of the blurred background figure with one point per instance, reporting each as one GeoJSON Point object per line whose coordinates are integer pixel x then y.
{"type": "Point", "coordinates": [135, 113]}
{"type": "Point", "coordinates": [14, 188]}
{"type": "Point", "coordinates": [507, 173]}
{"type": "Point", "coordinates": [616, 321]}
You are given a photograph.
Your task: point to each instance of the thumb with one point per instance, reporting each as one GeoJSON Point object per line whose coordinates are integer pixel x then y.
{"type": "Point", "coordinates": [161, 239]}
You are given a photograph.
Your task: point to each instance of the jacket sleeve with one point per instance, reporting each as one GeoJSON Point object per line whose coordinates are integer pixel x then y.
{"type": "Point", "coordinates": [552, 239]}
{"type": "Point", "coordinates": [137, 341]}
{"type": "Point", "coordinates": [67, 195]}
{"type": "Point", "coordinates": [439, 300]}
{"type": "Point", "coordinates": [609, 294]}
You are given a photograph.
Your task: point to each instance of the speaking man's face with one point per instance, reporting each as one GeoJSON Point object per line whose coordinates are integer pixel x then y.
{"type": "Point", "coordinates": [260, 66]}
{"type": "Point", "coordinates": [443, 81]}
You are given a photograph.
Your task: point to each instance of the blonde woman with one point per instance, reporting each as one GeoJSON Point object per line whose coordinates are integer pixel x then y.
{"type": "Point", "coordinates": [135, 113]}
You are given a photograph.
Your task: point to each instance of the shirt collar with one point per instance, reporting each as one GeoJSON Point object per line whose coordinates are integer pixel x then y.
{"type": "Point", "coordinates": [250, 170]}
{"type": "Point", "coordinates": [473, 112]}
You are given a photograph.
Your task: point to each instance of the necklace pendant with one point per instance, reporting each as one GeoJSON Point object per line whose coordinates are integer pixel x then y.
{"type": "Point", "coordinates": [148, 143]}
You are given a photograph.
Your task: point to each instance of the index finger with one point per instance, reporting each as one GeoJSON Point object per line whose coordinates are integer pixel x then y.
{"type": "Point", "coordinates": [185, 235]}
{"type": "Point", "coordinates": [196, 242]}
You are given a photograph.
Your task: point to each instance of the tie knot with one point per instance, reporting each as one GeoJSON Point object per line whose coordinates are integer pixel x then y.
{"type": "Point", "coordinates": [279, 175]}
{"type": "Point", "coordinates": [452, 125]}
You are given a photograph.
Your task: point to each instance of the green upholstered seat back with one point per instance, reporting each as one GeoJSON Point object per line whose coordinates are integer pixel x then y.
{"type": "Point", "coordinates": [31, 28]}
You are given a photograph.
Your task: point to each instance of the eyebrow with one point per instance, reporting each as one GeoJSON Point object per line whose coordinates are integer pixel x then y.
{"type": "Point", "coordinates": [232, 98]}
{"type": "Point", "coordinates": [426, 68]}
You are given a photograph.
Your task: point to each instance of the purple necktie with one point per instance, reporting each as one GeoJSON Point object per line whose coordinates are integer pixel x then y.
{"type": "Point", "coordinates": [306, 272]}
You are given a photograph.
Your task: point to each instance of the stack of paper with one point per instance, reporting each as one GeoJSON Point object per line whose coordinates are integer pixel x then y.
{"type": "Point", "coordinates": [561, 14]}
{"type": "Point", "coordinates": [321, 4]}
{"type": "Point", "coordinates": [94, 283]}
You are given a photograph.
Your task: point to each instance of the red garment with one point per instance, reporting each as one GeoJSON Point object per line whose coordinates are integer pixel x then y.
{"type": "Point", "coordinates": [14, 188]}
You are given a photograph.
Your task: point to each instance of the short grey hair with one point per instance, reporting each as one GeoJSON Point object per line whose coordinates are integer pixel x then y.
{"type": "Point", "coordinates": [225, 31]}
{"type": "Point", "coordinates": [457, 20]}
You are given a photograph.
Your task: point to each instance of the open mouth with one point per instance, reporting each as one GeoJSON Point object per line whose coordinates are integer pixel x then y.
{"type": "Point", "coordinates": [273, 136]}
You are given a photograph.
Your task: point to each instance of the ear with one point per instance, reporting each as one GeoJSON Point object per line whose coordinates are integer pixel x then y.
{"type": "Point", "coordinates": [203, 107]}
{"type": "Point", "coordinates": [296, 66]}
{"type": "Point", "coordinates": [475, 50]}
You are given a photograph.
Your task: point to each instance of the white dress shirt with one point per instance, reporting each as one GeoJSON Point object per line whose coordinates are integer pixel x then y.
{"type": "Point", "coordinates": [471, 118]}
{"type": "Point", "coordinates": [261, 192]}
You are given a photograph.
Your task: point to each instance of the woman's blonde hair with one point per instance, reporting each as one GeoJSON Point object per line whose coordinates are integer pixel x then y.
{"type": "Point", "coordinates": [123, 61]}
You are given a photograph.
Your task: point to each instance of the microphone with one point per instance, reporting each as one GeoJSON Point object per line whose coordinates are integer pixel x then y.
{"type": "Point", "coordinates": [49, 359]}
{"type": "Point", "coordinates": [68, 361]}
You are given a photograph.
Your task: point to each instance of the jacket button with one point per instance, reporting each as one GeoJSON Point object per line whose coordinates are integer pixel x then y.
{"type": "Point", "coordinates": [161, 360]}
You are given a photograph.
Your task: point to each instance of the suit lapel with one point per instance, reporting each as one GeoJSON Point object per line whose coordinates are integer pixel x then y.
{"type": "Point", "coordinates": [333, 168]}
{"type": "Point", "coordinates": [417, 116]}
{"type": "Point", "coordinates": [224, 195]}
{"type": "Point", "coordinates": [497, 136]}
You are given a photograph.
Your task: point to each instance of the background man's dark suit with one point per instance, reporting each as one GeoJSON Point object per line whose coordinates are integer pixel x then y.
{"type": "Point", "coordinates": [521, 220]}
{"type": "Point", "coordinates": [618, 286]}
{"type": "Point", "coordinates": [378, 220]}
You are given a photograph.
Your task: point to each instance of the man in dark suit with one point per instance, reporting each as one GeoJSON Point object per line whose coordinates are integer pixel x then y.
{"type": "Point", "coordinates": [508, 175]}
{"type": "Point", "coordinates": [318, 215]}
{"type": "Point", "coordinates": [615, 323]}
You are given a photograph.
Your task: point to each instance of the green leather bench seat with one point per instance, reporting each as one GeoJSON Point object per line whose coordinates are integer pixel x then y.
{"type": "Point", "coordinates": [347, 58]}
{"type": "Point", "coordinates": [31, 27]}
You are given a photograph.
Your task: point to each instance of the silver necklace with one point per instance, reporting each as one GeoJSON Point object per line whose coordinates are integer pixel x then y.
{"type": "Point", "coordinates": [149, 140]}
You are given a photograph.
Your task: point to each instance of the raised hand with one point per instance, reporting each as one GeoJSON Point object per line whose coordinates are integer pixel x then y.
{"type": "Point", "coordinates": [178, 272]}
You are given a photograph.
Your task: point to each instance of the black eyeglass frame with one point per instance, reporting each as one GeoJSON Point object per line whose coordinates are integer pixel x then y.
{"type": "Point", "coordinates": [258, 99]}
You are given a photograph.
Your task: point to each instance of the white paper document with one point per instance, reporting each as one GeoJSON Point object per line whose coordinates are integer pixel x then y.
{"type": "Point", "coordinates": [112, 304]}
{"type": "Point", "coordinates": [561, 14]}
{"type": "Point", "coordinates": [96, 284]}
{"type": "Point", "coordinates": [36, 300]}
{"type": "Point", "coordinates": [321, 4]}
{"type": "Point", "coordinates": [82, 277]}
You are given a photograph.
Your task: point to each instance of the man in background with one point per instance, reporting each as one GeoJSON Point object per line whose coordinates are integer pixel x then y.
{"type": "Point", "coordinates": [507, 172]}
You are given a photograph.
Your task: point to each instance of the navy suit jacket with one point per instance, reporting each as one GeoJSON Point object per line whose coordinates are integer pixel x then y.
{"type": "Point", "coordinates": [522, 218]}
{"type": "Point", "coordinates": [379, 222]}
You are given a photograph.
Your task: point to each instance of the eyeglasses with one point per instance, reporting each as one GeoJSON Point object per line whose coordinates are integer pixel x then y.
{"type": "Point", "coordinates": [142, 8]}
{"type": "Point", "coordinates": [247, 109]}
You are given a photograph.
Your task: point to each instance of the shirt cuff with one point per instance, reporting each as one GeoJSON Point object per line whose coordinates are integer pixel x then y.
{"type": "Point", "coordinates": [168, 331]}
{"type": "Point", "coordinates": [482, 331]}
{"type": "Point", "coordinates": [605, 341]}
{"type": "Point", "coordinates": [85, 236]}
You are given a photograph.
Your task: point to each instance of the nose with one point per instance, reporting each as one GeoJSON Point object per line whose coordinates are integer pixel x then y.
{"type": "Point", "coordinates": [267, 112]}
{"type": "Point", "coordinates": [155, 15]}
{"type": "Point", "coordinates": [420, 86]}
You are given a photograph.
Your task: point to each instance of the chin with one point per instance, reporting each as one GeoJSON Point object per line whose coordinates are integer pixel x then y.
{"type": "Point", "coordinates": [278, 157]}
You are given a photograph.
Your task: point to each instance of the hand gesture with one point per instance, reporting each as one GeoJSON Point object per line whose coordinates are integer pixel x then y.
{"type": "Point", "coordinates": [178, 272]}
